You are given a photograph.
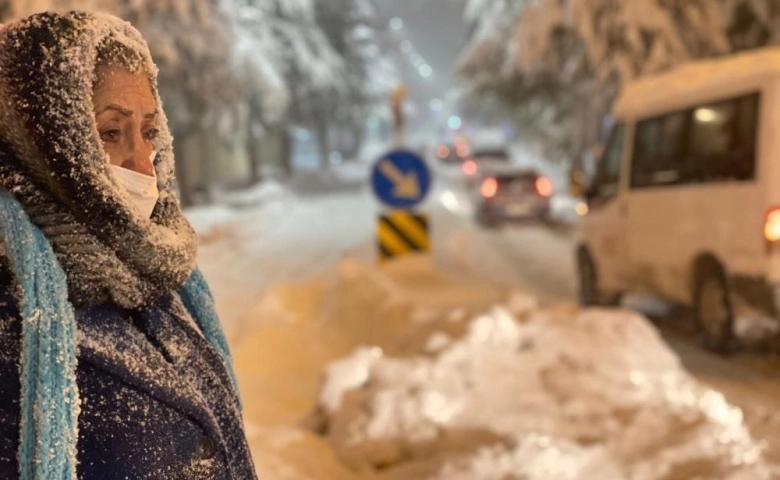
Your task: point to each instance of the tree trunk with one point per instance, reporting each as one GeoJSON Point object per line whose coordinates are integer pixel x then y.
{"type": "Point", "coordinates": [253, 152]}
{"type": "Point", "coordinates": [286, 148]}
{"type": "Point", "coordinates": [185, 189]}
{"type": "Point", "coordinates": [207, 165]}
{"type": "Point", "coordinates": [323, 142]}
{"type": "Point", "coordinates": [253, 119]}
{"type": "Point", "coordinates": [356, 134]}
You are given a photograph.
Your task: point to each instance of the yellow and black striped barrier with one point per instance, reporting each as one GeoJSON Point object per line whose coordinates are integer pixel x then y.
{"type": "Point", "coordinates": [402, 232]}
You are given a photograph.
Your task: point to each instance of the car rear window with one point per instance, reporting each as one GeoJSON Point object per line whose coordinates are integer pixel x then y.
{"type": "Point", "coordinates": [528, 178]}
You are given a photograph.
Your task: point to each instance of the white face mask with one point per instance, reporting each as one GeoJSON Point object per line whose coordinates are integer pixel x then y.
{"type": "Point", "coordinates": [141, 188]}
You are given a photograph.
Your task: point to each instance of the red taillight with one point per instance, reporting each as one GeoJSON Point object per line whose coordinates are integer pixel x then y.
{"type": "Point", "coordinates": [772, 227]}
{"type": "Point", "coordinates": [470, 167]}
{"type": "Point", "coordinates": [489, 187]}
{"type": "Point", "coordinates": [544, 186]}
{"type": "Point", "coordinates": [443, 152]}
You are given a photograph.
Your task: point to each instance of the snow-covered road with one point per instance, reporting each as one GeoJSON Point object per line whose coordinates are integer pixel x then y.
{"type": "Point", "coordinates": [271, 254]}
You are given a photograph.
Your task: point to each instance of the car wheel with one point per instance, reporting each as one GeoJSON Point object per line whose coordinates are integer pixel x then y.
{"type": "Point", "coordinates": [546, 219]}
{"type": "Point", "coordinates": [589, 292]}
{"type": "Point", "coordinates": [713, 309]}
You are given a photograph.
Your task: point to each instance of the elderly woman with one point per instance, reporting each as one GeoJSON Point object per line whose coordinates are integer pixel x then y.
{"type": "Point", "coordinates": [112, 361]}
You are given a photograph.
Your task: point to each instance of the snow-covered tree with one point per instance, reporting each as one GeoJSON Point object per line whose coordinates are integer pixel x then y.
{"type": "Point", "coordinates": [352, 30]}
{"type": "Point", "coordinates": [287, 63]}
{"type": "Point", "coordinates": [497, 75]}
{"type": "Point", "coordinates": [559, 63]}
{"type": "Point", "coordinates": [752, 23]}
{"type": "Point", "coordinates": [626, 39]}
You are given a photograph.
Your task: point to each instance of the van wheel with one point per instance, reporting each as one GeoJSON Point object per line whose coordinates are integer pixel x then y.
{"type": "Point", "coordinates": [590, 293]}
{"type": "Point", "coordinates": [714, 310]}
{"type": "Point", "coordinates": [487, 222]}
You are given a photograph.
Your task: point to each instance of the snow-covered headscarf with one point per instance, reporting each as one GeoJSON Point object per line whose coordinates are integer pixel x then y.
{"type": "Point", "coordinates": [52, 160]}
{"type": "Point", "coordinates": [68, 232]}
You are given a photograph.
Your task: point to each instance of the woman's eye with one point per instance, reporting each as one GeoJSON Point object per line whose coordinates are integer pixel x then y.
{"type": "Point", "coordinates": [151, 134]}
{"type": "Point", "coordinates": [111, 135]}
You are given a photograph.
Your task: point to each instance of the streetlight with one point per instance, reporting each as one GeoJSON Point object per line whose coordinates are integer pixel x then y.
{"type": "Point", "coordinates": [396, 23]}
{"type": "Point", "coordinates": [454, 122]}
{"type": "Point", "coordinates": [425, 70]}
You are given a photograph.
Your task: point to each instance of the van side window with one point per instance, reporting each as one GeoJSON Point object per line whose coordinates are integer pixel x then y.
{"type": "Point", "coordinates": [722, 141]}
{"type": "Point", "coordinates": [607, 180]}
{"type": "Point", "coordinates": [709, 143]}
{"type": "Point", "coordinates": [747, 138]}
{"type": "Point", "coordinates": [658, 150]}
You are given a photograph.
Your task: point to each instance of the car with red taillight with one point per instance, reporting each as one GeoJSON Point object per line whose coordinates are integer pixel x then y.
{"type": "Point", "coordinates": [482, 161]}
{"type": "Point", "coordinates": [450, 154]}
{"type": "Point", "coordinates": [505, 196]}
{"type": "Point", "coordinates": [685, 200]}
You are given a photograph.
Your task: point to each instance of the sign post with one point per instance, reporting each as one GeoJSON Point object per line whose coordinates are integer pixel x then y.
{"type": "Point", "coordinates": [401, 180]}
{"type": "Point", "coordinates": [397, 100]}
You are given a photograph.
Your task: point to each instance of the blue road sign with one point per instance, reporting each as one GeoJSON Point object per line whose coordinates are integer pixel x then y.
{"type": "Point", "coordinates": [401, 179]}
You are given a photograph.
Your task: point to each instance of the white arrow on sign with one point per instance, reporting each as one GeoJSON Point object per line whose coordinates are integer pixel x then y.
{"type": "Point", "coordinates": [405, 185]}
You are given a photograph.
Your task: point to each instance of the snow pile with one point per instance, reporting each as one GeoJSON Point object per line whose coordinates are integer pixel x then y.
{"type": "Point", "coordinates": [219, 219]}
{"type": "Point", "coordinates": [555, 395]}
{"type": "Point", "coordinates": [534, 457]}
{"type": "Point", "coordinates": [347, 374]}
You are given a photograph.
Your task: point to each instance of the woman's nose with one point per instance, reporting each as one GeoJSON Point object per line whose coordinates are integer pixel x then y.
{"type": "Point", "coordinates": [139, 157]}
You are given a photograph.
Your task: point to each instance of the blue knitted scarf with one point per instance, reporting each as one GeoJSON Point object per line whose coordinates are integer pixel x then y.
{"type": "Point", "coordinates": [48, 442]}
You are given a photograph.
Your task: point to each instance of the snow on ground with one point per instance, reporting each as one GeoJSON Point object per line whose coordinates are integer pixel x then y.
{"type": "Point", "coordinates": [300, 327]}
{"type": "Point", "coordinates": [212, 221]}
{"type": "Point", "coordinates": [353, 172]}
{"type": "Point", "coordinates": [545, 395]}
{"type": "Point", "coordinates": [261, 194]}
{"type": "Point", "coordinates": [281, 238]}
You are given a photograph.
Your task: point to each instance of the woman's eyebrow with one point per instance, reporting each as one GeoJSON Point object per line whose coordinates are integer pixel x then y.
{"type": "Point", "coordinates": [122, 110]}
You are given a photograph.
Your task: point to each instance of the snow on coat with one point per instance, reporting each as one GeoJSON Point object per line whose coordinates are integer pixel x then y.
{"type": "Point", "coordinates": [156, 400]}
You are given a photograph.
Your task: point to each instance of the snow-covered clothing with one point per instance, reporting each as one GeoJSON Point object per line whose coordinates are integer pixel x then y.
{"type": "Point", "coordinates": [112, 361]}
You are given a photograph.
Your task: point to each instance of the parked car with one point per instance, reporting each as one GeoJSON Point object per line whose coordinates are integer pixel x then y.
{"type": "Point", "coordinates": [452, 154]}
{"type": "Point", "coordinates": [505, 196]}
{"type": "Point", "coordinates": [685, 202]}
{"type": "Point", "coordinates": [484, 160]}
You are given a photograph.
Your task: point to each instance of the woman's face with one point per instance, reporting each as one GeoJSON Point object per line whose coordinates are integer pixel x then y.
{"type": "Point", "coordinates": [126, 116]}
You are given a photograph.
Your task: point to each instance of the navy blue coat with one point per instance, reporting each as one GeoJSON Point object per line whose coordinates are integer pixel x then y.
{"type": "Point", "coordinates": [156, 399]}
